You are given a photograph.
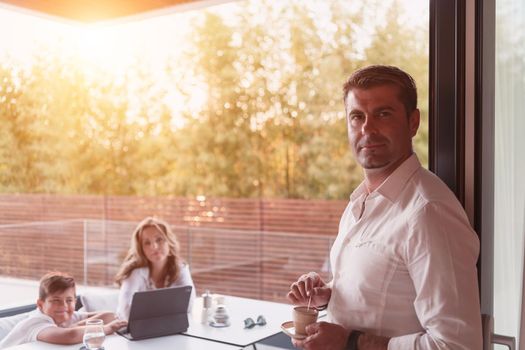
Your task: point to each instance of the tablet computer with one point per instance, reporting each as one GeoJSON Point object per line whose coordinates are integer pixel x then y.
{"type": "Point", "coordinates": [158, 312]}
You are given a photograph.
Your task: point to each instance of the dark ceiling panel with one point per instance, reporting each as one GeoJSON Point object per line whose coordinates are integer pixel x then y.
{"type": "Point", "coordinates": [93, 11]}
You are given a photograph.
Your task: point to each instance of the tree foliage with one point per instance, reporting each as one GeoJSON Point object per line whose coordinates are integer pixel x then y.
{"type": "Point", "coordinates": [272, 124]}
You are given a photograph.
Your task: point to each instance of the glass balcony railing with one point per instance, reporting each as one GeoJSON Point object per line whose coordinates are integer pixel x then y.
{"type": "Point", "coordinates": [255, 264]}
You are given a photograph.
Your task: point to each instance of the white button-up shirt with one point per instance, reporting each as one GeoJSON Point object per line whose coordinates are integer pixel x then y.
{"type": "Point", "coordinates": [139, 281]}
{"type": "Point", "coordinates": [404, 264]}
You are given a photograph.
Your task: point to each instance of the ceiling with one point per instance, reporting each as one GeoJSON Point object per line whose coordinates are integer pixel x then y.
{"type": "Point", "coordinates": [89, 11]}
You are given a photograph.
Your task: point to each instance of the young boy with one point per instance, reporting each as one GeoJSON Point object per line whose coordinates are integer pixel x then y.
{"type": "Point", "coordinates": [55, 319]}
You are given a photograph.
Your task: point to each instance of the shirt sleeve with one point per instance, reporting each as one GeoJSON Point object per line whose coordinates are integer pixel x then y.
{"type": "Point", "coordinates": [441, 255]}
{"type": "Point", "coordinates": [27, 331]}
{"type": "Point", "coordinates": [130, 285]}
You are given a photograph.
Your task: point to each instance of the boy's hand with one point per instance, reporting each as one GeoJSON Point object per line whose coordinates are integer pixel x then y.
{"type": "Point", "coordinates": [114, 326]}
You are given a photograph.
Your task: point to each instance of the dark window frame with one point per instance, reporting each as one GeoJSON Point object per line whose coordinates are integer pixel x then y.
{"type": "Point", "coordinates": [447, 93]}
{"type": "Point", "coordinates": [447, 127]}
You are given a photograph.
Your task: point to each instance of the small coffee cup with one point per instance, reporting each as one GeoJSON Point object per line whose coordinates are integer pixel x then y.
{"type": "Point", "coordinates": [302, 317]}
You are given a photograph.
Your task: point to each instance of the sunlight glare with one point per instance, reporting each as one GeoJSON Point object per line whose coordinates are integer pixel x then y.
{"type": "Point", "coordinates": [126, 52]}
{"type": "Point", "coordinates": [102, 48]}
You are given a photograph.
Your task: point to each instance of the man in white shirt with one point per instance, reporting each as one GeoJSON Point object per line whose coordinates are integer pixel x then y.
{"type": "Point", "coordinates": [404, 261]}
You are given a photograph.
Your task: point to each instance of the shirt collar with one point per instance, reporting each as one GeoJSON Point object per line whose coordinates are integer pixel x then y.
{"type": "Point", "coordinates": [359, 191]}
{"type": "Point", "coordinates": [394, 183]}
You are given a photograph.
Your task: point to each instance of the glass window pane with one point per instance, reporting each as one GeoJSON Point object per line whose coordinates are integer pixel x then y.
{"type": "Point", "coordinates": [509, 219]}
{"type": "Point", "coordinates": [227, 121]}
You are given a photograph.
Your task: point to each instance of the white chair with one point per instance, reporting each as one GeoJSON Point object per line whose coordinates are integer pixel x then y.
{"type": "Point", "coordinates": [10, 317]}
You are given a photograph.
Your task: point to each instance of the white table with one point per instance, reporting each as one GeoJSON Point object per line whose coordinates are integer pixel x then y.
{"type": "Point", "coordinates": [238, 310]}
{"type": "Point", "coordinates": [203, 336]}
{"type": "Point", "coordinates": [116, 342]}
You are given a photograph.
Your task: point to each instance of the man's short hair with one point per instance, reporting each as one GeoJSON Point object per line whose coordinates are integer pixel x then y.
{"type": "Point", "coordinates": [53, 282]}
{"type": "Point", "coordinates": [378, 75]}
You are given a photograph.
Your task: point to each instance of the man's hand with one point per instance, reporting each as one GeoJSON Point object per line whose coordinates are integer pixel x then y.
{"type": "Point", "coordinates": [309, 284]}
{"type": "Point", "coordinates": [114, 326]}
{"type": "Point", "coordinates": [325, 336]}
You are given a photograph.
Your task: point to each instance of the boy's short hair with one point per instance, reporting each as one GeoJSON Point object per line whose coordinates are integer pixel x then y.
{"type": "Point", "coordinates": [53, 282]}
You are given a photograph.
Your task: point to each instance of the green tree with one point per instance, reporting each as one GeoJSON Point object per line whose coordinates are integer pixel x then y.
{"type": "Point", "coordinates": [273, 123]}
{"type": "Point", "coordinates": [396, 44]}
{"type": "Point", "coordinates": [216, 155]}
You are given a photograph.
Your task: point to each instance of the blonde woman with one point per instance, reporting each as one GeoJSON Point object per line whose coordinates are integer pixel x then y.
{"type": "Point", "coordinates": [153, 261]}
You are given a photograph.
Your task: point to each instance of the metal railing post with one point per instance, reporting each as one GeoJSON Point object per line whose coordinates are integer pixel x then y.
{"type": "Point", "coordinates": [260, 264]}
{"type": "Point", "coordinates": [85, 251]}
{"type": "Point", "coordinates": [188, 234]}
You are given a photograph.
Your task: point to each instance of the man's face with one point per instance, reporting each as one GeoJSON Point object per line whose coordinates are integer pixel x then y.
{"type": "Point", "coordinates": [379, 130]}
{"type": "Point", "coordinates": [59, 306]}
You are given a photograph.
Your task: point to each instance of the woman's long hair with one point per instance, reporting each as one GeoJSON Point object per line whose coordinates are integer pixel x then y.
{"type": "Point", "coordinates": [136, 257]}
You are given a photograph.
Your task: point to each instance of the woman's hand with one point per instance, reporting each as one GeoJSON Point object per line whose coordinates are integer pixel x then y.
{"type": "Point", "coordinates": [114, 326]}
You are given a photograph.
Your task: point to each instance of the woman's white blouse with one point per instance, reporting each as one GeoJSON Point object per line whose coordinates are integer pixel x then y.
{"type": "Point", "coordinates": [139, 281]}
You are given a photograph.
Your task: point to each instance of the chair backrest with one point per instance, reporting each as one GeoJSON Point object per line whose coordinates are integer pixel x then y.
{"type": "Point", "coordinates": [10, 317]}
{"type": "Point", "coordinates": [17, 310]}
{"type": "Point", "coordinates": [489, 338]}
{"type": "Point", "coordinates": [99, 301]}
